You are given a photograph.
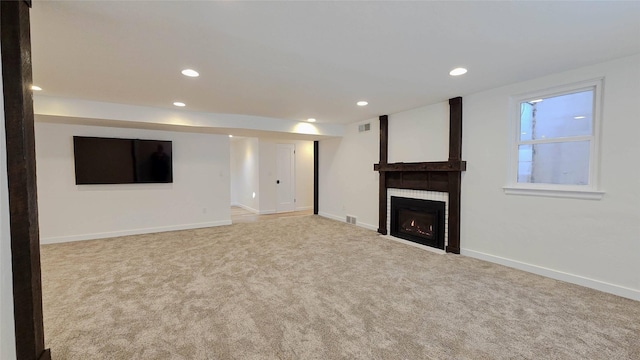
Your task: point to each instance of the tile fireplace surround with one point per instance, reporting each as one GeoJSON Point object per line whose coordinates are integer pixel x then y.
{"type": "Point", "coordinates": [422, 195]}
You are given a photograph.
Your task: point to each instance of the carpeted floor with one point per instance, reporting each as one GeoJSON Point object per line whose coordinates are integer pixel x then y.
{"type": "Point", "coordinates": [313, 288]}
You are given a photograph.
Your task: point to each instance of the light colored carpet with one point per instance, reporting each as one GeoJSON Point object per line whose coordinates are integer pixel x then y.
{"type": "Point", "coordinates": [312, 288]}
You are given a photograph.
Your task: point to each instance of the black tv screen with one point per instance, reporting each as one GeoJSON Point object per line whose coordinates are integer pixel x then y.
{"type": "Point", "coordinates": [122, 161]}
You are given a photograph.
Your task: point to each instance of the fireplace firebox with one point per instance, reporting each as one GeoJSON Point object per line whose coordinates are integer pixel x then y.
{"type": "Point", "coordinates": [419, 221]}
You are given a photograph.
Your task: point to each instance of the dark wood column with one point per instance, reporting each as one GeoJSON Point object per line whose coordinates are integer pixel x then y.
{"type": "Point", "coordinates": [455, 129]}
{"type": "Point", "coordinates": [455, 177]}
{"type": "Point", "coordinates": [21, 171]}
{"type": "Point", "coordinates": [316, 148]}
{"type": "Point", "coordinates": [384, 159]}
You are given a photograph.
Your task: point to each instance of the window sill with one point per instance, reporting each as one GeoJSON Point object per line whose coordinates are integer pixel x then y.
{"type": "Point", "coordinates": [555, 192]}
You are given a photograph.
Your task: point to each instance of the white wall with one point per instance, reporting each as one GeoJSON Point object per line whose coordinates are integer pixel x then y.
{"type": "Point", "coordinates": [420, 134]}
{"type": "Point", "coordinates": [591, 242]}
{"type": "Point", "coordinates": [588, 242]}
{"type": "Point", "coordinates": [7, 331]}
{"type": "Point", "coordinates": [347, 183]}
{"type": "Point", "coordinates": [198, 197]}
{"type": "Point", "coordinates": [256, 162]}
{"type": "Point", "coordinates": [245, 173]}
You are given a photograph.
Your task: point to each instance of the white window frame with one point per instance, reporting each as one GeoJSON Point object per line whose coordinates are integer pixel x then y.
{"type": "Point", "coordinates": [588, 191]}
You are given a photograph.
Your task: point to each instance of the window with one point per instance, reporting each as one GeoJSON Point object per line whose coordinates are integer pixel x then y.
{"type": "Point", "coordinates": [555, 147]}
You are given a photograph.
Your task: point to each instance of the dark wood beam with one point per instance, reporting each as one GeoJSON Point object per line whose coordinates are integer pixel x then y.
{"type": "Point", "coordinates": [418, 180]}
{"type": "Point", "coordinates": [423, 166]}
{"type": "Point", "coordinates": [316, 147]}
{"type": "Point", "coordinates": [384, 139]}
{"type": "Point", "coordinates": [382, 185]}
{"type": "Point", "coordinates": [21, 175]}
{"type": "Point", "coordinates": [455, 184]}
{"type": "Point", "coordinates": [455, 129]}
{"type": "Point", "coordinates": [453, 245]}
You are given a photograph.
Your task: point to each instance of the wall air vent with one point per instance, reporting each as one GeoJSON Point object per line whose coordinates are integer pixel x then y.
{"type": "Point", "coordinates": [364, 127]}
{"type": "Point", "coordinates": [351, 219]}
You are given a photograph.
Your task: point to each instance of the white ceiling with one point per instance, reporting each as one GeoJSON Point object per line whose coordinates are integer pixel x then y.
{"type": "Point", "coordinates": [295, 60]}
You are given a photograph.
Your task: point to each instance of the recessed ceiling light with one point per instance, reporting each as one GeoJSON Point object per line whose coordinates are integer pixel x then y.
{"type": "Point", "coordinates": [311, 120]}
{"type": "Point", "coordinates": [579, 117]}
{"type": "Point", "coordinates": [190, 73]}
{"type": "Point", "coordinates": [535, 101]}
{"type": "Point", "coordinates": [230, 135]}
{"type": "Point", "coordinates": [362, 103]}
{"type": "Point", "coordinates": [458, 71]}
{"type": "Point", "coordinates": [36, 88]}
{"type": "Point", "coordinates": [180, 104]}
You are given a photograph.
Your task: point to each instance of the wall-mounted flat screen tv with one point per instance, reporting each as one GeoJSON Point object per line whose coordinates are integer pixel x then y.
{"type": "Point", "coordinates": [122, 161]}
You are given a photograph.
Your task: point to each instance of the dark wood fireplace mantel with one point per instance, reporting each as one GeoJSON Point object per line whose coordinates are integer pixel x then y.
{"type": "Point", "coordinates": [423, 166]}
{"type": "Point", "coordinates": [444, 176]}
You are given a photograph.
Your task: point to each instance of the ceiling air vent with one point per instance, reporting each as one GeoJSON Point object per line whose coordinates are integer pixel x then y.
{"type": "Point", "coordinates": [364, 127]}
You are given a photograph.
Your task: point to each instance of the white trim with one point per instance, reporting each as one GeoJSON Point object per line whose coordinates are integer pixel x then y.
{"type": "Point", "coordinates": [247, 208]}
{"type": "Point", "coordinates": [93, 236]}
{"type": "Point", "coordinates": [367, 226]}
{"type": "Point", "coordinates": [414, 244]}
{"type": "Point", "coordinates": [590, 191]}
{"type": "Point", "coordinates": [266, 212]}
{"type": "Point", "coordinates": [626, 292]}
{"type": "Point", "coordinates": [557, 192]}
{"type": "Point", "coordinates": [332, 217]}
{"type": "Point", "coordinates": [344, 220]}
{"type": "Point", "coordinates": [303, 208]}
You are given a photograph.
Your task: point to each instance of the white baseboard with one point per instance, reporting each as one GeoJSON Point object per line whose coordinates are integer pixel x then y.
{"type": "Point", "coordinates": [246, 208]}
{"type": "Point", "coordinates": [270, 211]}
{"type": "Point", "coordinates": [368, 226]}
{"type": "Point", "coordinates": [256, 211]}
{"type": "Point", "coordinates": [110, 234]}
{"type": "Point", "coordinates": [414, 244]}
{"type": "Point", "coordinates": [344, 220]}
{"type": "Point", "coordinates": [558, 275]}
{"type": "Point", "coordinates": [275, 211]}
{"type": "Point", "coordinates": [332, 217]}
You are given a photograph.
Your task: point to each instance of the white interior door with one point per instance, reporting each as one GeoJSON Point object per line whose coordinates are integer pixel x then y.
{"type": "Point", "coordinates": [285, 178]}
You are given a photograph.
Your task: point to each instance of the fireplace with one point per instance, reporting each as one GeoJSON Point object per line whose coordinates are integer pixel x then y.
{"type": "Point", "coordinates": [417, 220]}
{"type": "Point", "coordinates": [432, 176]}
